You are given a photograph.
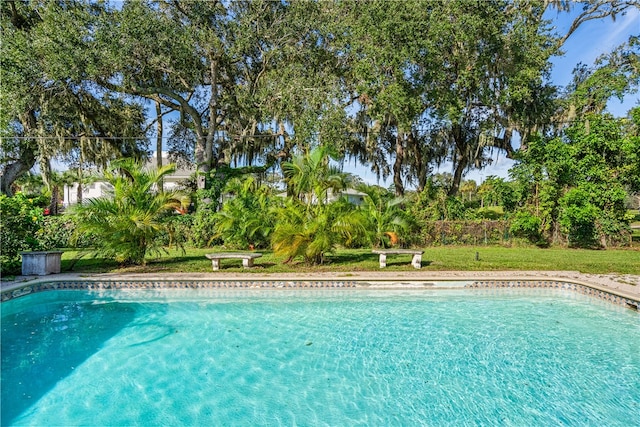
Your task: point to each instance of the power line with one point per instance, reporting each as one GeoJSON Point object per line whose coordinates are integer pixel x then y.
{"type": "Point", "coordinates": [77, 138]}
{"type": "Point", "coordinates": [422, 129]}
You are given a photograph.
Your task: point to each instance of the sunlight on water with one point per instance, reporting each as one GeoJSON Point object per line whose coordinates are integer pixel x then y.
{"type": "Point", "coordinates": [333, 357]}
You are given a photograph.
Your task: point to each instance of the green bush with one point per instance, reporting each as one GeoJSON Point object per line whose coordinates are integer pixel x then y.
{"type": "Point", "coordinates": [178, 230]}
{"type": "Point", "coordinates": [315, 230]}
{"type": "Point", "coordinates": [246, 221]}
{"type": "Point", "coordinates": [58, 232]}
{"type": "Point", "coordinates": [128, 222]}
{"type": "Point", "coordinates": [491, 213]}
{"type": "Point", "coordinates": [203, 229]}
{"type": "Point", "coordinates": [20, 219]}
{"type": "Point", "coordinates": [527, 225]}
{"type": "Point", "coordinates": [578, 219]}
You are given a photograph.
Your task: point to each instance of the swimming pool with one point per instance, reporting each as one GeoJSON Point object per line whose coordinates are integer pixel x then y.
{"type": "Point", "coordinates": [319, 357]}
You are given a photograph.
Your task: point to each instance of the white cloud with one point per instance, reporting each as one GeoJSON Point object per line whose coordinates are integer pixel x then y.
{"type": "Point", "coordinates": [623, 27]}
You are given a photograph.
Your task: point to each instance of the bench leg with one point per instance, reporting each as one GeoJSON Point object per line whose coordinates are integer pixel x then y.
{"type": "Point", "coordinates": [383, 260]}
{"type": "Point", "coordinates": [247, 262]}
{"type": "Point", "coordinates": [417, 261]}
{"type": "Point", "coordinates": [216, 264]}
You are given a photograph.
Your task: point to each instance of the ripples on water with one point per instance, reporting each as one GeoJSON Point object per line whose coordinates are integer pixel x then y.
{"type": "Point", "coordinates": [507, 357]}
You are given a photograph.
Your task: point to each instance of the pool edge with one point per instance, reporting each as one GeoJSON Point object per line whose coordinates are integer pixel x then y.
{"type": "Point", "coordinates": [101, 283]}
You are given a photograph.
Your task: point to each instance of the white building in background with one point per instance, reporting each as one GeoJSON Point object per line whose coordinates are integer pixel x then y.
{"type": "Point", "coordinates": [92, 190]}
{"type": "Point", "coordinates": [174, 179]}
{"type": "Point", "coordinates": [354, 197]}
{"type": "Point", "coordinates": [99, 188]}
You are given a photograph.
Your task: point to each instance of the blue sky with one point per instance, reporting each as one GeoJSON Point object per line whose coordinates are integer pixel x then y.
{"type": "Point", "coordinates": [585, 45]}
{"type": "Point", "coordinates": [588, 42]}
{"type": "Point", "coordinates": [591, 40]}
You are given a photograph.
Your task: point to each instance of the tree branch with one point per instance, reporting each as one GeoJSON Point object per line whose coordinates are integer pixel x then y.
{"type": "Point", "coordinates": [599, 9]}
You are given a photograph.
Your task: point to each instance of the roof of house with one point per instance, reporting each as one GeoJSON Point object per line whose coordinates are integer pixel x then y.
{"type": "Point", "coordinates": [181, 172]}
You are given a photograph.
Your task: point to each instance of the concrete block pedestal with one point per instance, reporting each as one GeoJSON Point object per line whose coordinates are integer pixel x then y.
{"type": "Point", "coordinates": [40, 263]}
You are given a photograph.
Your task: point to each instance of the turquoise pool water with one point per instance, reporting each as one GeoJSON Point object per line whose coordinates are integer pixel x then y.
{"type": "Point", "coordinates": [333, 357]}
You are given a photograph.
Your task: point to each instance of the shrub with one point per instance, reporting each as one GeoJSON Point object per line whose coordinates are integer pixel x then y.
{"type": "Point", "coordinates": [385, 220]}
{"type": "Point", "coordinates": [312, 231]}
{"type": "Point", "coordinates": [527, 225]}
{"type": "Point", "coordinates": [203, 233]}
{"type": "Point", "coordinates": [488, 213]}
{"type": "Point", "coordinates": [178, 230]}
{"type": "Point", "coordinates": [245, 220]}
{"type": "Point", "coordinates": [128, 221]}
{"type": "Point", "coordinates": [20, 220]}
{"type": "Point", "coordinates": [578, 219]}
{"type": "Point", "coordinates": [58, 232]}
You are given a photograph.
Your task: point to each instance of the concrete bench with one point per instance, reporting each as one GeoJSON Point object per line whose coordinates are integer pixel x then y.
{"type": "Point", "coordinates": [416, 261]}
{"type": "Point", "coordinates": [246, 257]}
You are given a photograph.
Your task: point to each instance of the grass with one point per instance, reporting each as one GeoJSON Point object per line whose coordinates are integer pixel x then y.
{"type": "Point", "coordinates": [462, 258]}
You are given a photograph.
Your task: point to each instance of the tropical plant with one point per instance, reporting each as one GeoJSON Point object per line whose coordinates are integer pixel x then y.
{"type": "Point", "coordinates": [30, 183]}
{"type": "Point", "coordinates": [309, 224]}
{"type": "Point", "coordinates": [312, 232]}
{"type": "Point", "coordinates": [468, 190]}
{"type": "Point", "coordinates": [385, 221]}
{"type": "Point", "coordinates": [127, 222]}
{"type": "Point", "coordinates": [245, 220]}
{"type": "Point", "coordinates": [310, 176]}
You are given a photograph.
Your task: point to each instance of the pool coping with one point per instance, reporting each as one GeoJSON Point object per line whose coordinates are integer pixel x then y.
{"type": "Point", "coordinates": [609, 290]}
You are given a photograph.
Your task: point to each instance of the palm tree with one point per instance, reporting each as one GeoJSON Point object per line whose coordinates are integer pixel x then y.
{"type": "Point", "coordinates": [308, 225]}
{"type": "Point", "coordinates": [127, 221]}
{"type": "Point", "coordinates": [316, 230]}
{"type": "Point", "coordinates": [310, 176]}
{"type": "Point", "coordinates": [469, 189]}
{"type": "Point", "coordinates": [383, 214]}
{"type": "Point", "coordinates": [30, 183]}
{"type": "Point", "coordinates": [246, 219]}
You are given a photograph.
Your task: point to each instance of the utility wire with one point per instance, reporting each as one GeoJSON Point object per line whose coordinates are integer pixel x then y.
{"type": "Point", "coordinates": [261, 135]}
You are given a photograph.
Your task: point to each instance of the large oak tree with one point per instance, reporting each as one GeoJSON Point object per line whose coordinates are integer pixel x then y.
{"type": "Point", "coordinates": [50, 106]}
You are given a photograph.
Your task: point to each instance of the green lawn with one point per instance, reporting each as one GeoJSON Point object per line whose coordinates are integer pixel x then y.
{"type": "Point", "coordinates": [345, 260]}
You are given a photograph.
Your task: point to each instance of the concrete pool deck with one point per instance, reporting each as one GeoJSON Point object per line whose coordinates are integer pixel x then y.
{"type": "Point", "coordinates": [625, 285]}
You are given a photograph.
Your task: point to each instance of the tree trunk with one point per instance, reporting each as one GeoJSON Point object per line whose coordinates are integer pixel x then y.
{"type": "Point", "coordinates": [45, 171]}
{"type": "Point", "coordinates": [204, 142]}
{"type": "Point", "coordinates": [457, 176]}
{"type": "Point", "coordinates": [79, 194]}
{"type": "Point", "coordinates": [209, 159]}
{"type": "Point", "coordinates": [462, 160]}
{"type": "Point", "coordinates": [15, 170]}
{"type": "Point", "coordinates": [79, 190]}
{"type": "Point", "coordinates": [397, 165]}
{"type": "Point", "coordinates": [55, 196]}
{"type": "Point", "coordinates": [420, 166]}
{"type": "Point", "coordinates": [159, 136]}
